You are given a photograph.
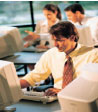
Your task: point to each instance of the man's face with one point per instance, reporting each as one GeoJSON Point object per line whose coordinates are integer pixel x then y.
{"type": "Point", "coordinates": [72, 16]}
{"type": "Point", "coordinates": [62, 44]}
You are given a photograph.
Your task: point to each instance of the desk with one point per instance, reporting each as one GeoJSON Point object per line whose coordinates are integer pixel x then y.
{"type": "Point", "coordinates": [30, 106]}
{"type": "Point", "coordinates": [24, 58]}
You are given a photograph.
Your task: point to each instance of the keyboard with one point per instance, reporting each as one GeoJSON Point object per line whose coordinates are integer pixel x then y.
{"type": "Point", "coordinates": [38, 96]}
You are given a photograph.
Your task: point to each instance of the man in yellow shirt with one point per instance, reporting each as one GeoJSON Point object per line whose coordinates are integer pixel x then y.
{"type": "Point", "coordinates": [65, 38]}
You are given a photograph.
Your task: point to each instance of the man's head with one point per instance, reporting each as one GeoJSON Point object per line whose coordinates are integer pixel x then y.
{"type": "Point", "coordinates": [65, 35]}
{"type": "Point", "coordinates": [74, 12]}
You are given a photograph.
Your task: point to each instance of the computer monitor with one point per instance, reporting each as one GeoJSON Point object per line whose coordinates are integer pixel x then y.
{"type": "Point", "coordinates": [81, 95]}
{"type": "Point", "coordinates": [10, 41]}
{"type": "Point", "coordinates": [10, 90]}
{"type": "Point", "coordinates": [85, 36]}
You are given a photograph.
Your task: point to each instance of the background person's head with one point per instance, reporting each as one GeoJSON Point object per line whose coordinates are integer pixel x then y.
{"type": "Point", "coordinates": [52, 12]}
{"type": "Point", "coordinates": [75, 12]}
{"type": "Point", "coordinates": [65, 35]}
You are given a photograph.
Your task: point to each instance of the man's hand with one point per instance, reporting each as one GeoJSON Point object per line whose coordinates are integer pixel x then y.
{"type": "Point", "coordinates": [52, 92]}
{"type": "Point", "coordinates": [26, 44]}
{"type": "Point", "coordinates": [31, 36]}
{"type": "Point", "coordinates": [24, 83]}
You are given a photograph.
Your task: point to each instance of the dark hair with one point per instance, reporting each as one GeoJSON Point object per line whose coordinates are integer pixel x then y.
{"type": "Point", "coordinates": [64, 29]}
{"type": "Point", "coordinates": [53, 8]}
{"type": "Point", "coordinates": [75, 7]}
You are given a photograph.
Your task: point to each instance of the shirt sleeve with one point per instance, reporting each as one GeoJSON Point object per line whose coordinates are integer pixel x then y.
{"type": "Point", "coordinates": [37, 28]}
{"type": "Point", "coordinates": [37, 31]}
{"type": "Point", "coordinates": [41, 70]}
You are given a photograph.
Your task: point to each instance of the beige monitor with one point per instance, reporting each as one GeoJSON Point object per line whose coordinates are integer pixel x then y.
{"type": "Point", "coordinates": [10, 41]}
{"type": "Point", "coordinates": [81, 95]}
{"type": "Point", "coordinates": [85, 36]}
{"type": "Point", "coordinates": [10, 90]}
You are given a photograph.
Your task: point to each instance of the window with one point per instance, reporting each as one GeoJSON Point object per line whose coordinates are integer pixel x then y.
{"type": "Point", "coordinates": [14, 12]}
{"type": "Point", "coordinates": [38, 8]}
{"type": "Point", "coordinates": [91, 7]}
{"type": "Point", "coordinates": [20, 13]}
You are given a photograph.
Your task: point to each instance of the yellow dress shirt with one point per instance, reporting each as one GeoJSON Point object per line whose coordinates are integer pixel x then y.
{"type": "Point", "coordinates": [53, 61]}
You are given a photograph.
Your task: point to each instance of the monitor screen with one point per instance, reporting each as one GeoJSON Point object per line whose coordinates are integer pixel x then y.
{"type": "Point", "coordinates": [10, 90]}
{"type": "Point", "coordinates": [10, 41]}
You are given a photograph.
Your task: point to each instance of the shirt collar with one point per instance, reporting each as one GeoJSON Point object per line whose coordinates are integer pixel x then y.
{"type": "Point", "coordinates": [73, 53]}
{"type": "Point", "coordinates": [82, 22]}
{"type": "Point", "coordinates": [84, 19]}
{"type": "Point", "coordinates": [75, 23]}
{"type": "Point", "coordinates": [81, 49]}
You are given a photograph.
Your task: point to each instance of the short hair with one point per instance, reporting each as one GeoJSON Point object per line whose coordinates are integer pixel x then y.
{"type": "Point", "coordinates": [64, 29]}
{"type": "Point", "coordinates": [75, 7]}
{"type": "Point", "coordinates": [53, 8]}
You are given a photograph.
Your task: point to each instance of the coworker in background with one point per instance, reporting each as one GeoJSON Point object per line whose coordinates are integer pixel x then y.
{"type": "Point", "coordinates": [65, 37]}
{"type": "Point", "coordinates": [53, 16]}
{"type": "Point", "coordinates": [75, 13]}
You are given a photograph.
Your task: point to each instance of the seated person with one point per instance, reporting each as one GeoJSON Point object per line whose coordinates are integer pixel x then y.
{"type": "Point", "coordinates": [62, 61]}
{"type": "Point", "coordinates": [76, 14]}
{"type": "Point", "coordinates": [41, 35]}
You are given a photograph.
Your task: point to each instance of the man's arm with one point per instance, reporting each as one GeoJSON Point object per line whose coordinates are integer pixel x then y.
{"type": "Point", "coordinates": [41, 72]}
{"type": "Point", "coordinates": [24, 83]}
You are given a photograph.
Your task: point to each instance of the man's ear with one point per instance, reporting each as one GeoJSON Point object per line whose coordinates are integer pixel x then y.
{"type": "Point", "coordinates": [72, 37]}
{"type": "Point", "coordinates": [56, 12]}
{"type": "Point", "coordinates": [78, 13]}
{"type": "Point", "coordinates": [53, 37]}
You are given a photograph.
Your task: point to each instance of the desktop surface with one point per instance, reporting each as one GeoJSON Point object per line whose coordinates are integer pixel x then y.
{"type": "Point", "coordinates": [24, 58]}
{"type": "Point", "coordinates": [32, 106]}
